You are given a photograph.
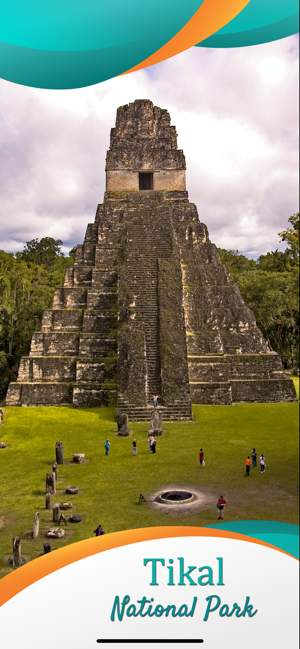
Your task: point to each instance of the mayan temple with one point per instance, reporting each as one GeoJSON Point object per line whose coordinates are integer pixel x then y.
{"type": "Point", "coordinates": [148, 308]}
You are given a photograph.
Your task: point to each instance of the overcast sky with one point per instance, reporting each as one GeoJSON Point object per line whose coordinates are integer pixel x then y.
{"type": "Point", "coordinates": [236, 114]}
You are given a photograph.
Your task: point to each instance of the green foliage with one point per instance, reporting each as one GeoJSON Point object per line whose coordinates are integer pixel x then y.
{"type": "Point", "coordinates": [270, 288]}
{"type": "Point", "coordinates": [273, 298]}
{"type": "Point", "coordinates": [43, 252]}
{"type": "Point", "coordinates": [276, 261]}
{"type": "Point", "coordinates": [291, 236]}
{"type": "Point", "coordinates": [26, 289]}
{"type": "Point", "coordinates": [6, 374]}
{"type": "Point", "coordinates": [110, 486]}
{"type": "Point", "coordinates": [235, 262]}
{"type": "Point", "coordinates": [72, 252]}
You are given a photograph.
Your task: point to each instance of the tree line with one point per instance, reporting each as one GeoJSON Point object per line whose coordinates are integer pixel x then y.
{"type": "Point", "coordinates": [28, 279]}
{"type": "Point", "coordinates": [270, 288]}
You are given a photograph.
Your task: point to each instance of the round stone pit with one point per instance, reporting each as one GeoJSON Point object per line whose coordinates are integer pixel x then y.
{"type": "Point", "coordinates": [176, 497]}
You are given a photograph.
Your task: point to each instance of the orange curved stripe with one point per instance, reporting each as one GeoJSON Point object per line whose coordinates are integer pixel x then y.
{"type": "Point", "coordinates": [208, 19]}
{"type": "Point", "coordinates": [27, 575]}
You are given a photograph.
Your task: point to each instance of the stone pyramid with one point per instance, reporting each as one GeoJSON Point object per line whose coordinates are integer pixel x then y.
{"type": "Point", "coordinates": [148, 308]}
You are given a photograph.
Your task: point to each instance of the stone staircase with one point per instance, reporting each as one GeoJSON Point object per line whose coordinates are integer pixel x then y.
{"type": "Point", "coordinates": [146, 247]}
{"type": "Point", "coordinates": [175, 412]}
{"type": "Point", "coordinates": [148, 241]}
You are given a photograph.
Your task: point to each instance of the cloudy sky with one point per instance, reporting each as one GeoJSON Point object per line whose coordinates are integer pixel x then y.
{"type": "Point", "coordinates": [236, 114]}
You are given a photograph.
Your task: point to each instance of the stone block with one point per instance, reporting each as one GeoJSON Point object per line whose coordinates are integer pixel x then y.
{"type": "Point", "coordinates": [93, 396]}
{"type": "Point", "coordinates": [70, 298]}
{"type": "Point", "coordinates": [218, 394]}
{"type": "Point", "coordinates": [95, 345]}
{"type": "Point", "coordinates": [105, 278]}
{"type": "Point", "coordinates": [39, 394]}
{"type": "Point", "coordinates": [99, 371]}
{"type": "Point", "coordinates": [13, 396]}
{"type": "Point", "coordinates": [94, 322]}
{"type": "Point", "coordinates": [54, 344]}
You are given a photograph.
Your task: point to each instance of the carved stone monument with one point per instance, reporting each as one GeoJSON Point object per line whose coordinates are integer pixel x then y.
{"type": "Point", "coordinates": [17, 560]}
{"type": "Point", "coordinates": [56, 513]}
{"type": "Point", "coordinates": [51, 483]}
{"type": "Point", "coordinates": [148, 308]}
{"type": "Point", "coordinates": [54, 469]}
{"type": "Point", "coordinates": [48, 501]}
{"type": "Point", "coordinates": [47, 547]}
{"type": "Point", "coordinates": [59, 452]}
{"type": "Point", "coordinates": [122, 423]}
{"type": "Point", "coordinates": [36, 526]}
{"type": "Point", "coordinates": [156, 422]}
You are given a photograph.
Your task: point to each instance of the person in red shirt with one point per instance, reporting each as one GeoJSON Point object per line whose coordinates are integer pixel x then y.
{"type": "Point", "coordinates": [201, 456]}
{"type": "Point", "coordinates": [221, 504]}
{"type": "Point", "coordinates": [248, 464]}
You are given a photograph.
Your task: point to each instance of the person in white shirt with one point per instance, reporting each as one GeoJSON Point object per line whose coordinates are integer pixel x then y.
{"type": "Point", "coordinates": [262, 464]}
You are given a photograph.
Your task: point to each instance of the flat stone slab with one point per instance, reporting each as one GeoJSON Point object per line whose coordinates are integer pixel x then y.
{"type": "Point", "coordinates": [55, 533]}
{"type": "Point", "coordinates": [3, 445]}
{"type": "Point", "coordinates": [72, 490]}
{"type": "Point", "coordinates": [66, 505]}
{"type": "Point", "coordinates": [76, 518]}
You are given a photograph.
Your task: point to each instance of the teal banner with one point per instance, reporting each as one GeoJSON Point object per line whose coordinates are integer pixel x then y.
{"type": "Point", "coordinates": [282, 535]}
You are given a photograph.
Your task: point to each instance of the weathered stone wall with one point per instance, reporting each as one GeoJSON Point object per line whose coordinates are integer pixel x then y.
{"type": "Point", "coordinates": [163, 180]}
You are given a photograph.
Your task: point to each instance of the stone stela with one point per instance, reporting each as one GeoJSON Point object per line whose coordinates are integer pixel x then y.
{"type": "Point", "coordinates": [156, 422]}
{"type": "Point", "coordinates": [148, 308]}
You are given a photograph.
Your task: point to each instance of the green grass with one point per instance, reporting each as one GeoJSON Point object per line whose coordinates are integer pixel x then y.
{"type": "Point", "coordinates": [110, 486]}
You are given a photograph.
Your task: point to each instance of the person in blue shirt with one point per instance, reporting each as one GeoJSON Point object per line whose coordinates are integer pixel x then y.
{"type": "Point", "coordinates": [99, 531]}
{"type": "Point", "coordinates": [106, 444]}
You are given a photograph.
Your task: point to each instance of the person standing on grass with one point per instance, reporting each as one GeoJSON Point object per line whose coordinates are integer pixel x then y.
{"type": "Point", "coordinates": [262, 460]}
{"type": "Point", "coordinates": [134, 448]}
{"type": "Point", "coordinates": [153, 445]}
{"type": "Point", "coordinates": [220, 505]}
{"type": "Point", "coordinates": [99, 531]}
{"type": "Point", "coordinates": [248, 464]}
{"type": "Point", "coordinates": [106, 444]}
{"type": "Point", "coordinates": [201, 457]}
{"type": "Point", "coordinates": [254, 457]}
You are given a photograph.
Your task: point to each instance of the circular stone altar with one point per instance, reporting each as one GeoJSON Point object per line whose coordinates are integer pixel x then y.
{"type": "Point", "coordinates": [176, 497]}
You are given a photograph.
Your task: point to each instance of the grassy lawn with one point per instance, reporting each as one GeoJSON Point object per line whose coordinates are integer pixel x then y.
{"type": "Point", "coordinates": [110, 486]}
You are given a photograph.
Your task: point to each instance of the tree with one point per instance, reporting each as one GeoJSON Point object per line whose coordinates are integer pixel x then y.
{"type": "Point", "coordinates": [72, 252]}
{"type": "Point", "coordinates": [270, 289]}
{"type": "Point", "coordinates": [236, 262]}
{"type": "Point", "coordinates": [6, 374]}
{"type": "Point", "coordinates": [26, 289]}
{"type": "Point", "coordinates": [273, 298]}
{"type": "Point", "coordinates": [291, 236]}
{"type": "Point", "coordinates": [43, 252]}
{"type": "Point", "coordinates": [276, 261]}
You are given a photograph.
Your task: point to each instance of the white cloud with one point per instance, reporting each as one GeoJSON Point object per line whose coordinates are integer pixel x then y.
{"type": "Point", "coordinates": [236, 114]}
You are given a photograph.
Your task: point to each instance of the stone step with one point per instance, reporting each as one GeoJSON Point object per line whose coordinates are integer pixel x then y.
{"type": "Point", "coordinates": [168, 414]}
